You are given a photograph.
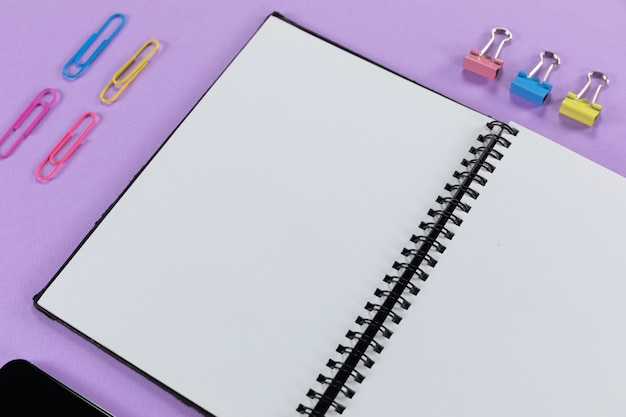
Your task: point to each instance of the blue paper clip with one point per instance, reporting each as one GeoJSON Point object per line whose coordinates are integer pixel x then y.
{"type": "Point", "coordinates": [82, 66]}
{"type": "Point", "coordinates": [532, 88]}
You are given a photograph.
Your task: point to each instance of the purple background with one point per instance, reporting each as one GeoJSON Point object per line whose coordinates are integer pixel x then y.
{"type": "Point", "coordinates": [41, 224]}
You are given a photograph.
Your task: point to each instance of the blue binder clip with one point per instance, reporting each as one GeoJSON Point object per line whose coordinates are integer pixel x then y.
{"type": "Point", "coordinates": [581, 109]}
{"type": "Point", "coordinates": [532, 88]}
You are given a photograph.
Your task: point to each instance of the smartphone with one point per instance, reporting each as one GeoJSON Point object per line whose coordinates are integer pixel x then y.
{"type": "Point", "coordinates": [27, 391]}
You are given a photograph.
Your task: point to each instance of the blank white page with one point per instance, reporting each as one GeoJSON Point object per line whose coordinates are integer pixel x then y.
{"type": "Point", "coordinates": [233, 266]}
{"type": "Point", "coordinates": [525, 313]}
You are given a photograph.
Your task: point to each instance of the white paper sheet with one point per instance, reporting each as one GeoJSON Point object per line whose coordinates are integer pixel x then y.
{"type": "Point", "coordinates": [524, 314]}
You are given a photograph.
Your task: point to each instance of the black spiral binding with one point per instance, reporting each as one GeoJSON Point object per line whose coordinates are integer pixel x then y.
{"type": "Point", "coordinates": [364, 343]}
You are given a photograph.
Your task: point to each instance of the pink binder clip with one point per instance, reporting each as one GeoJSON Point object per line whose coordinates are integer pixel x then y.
{"type": "Point", "coordinates": [479, 63]}
{"type": "Point", "coordinates": [37, 101]}
{"type": "Point", "coordinates": [53, 159]}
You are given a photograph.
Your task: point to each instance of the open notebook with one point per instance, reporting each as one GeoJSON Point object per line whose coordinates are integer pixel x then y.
{"type": "Point", "coordinates": [261, 259]}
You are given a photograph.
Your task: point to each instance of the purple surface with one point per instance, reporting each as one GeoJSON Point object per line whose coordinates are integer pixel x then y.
{"type": "Point", "coordinates": [41, 224]}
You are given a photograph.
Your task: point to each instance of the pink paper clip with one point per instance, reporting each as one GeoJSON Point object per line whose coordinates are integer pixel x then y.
{"type": "Point", "coordinates": [52, 158]}
{"type": "Point", "coordinates": [479, 63]}
{"type": "Point", "coordinates": [37, 101]}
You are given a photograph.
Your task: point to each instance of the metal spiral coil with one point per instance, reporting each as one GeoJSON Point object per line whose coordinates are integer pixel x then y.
{"type": "Point", "coordinates": [412, 288]}
{"type": "Point", "coordinates": [384, 331]}
{"type": "Point", "coordinates": [456, 220]}
{"type": "Point", "coordinates": [354, 374]}
{"type": "Point", "coordinates": [392, 300]}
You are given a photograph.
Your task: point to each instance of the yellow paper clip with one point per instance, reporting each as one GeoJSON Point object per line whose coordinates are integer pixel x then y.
{"type": "Point", "coordinates": [124, 76]}
{"type": "Point", "coordinates": [580, 109]}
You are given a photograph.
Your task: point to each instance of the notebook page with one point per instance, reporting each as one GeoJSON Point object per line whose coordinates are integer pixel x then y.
{"type": "Point", "coordinates": [524, 314]}
{"type": "Point", "coordinates": [236, 262]}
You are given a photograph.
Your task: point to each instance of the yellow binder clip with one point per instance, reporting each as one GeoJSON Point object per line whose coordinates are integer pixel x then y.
{"type": "Point", "coordinates": [581, 109]}
{"type": "Point", "coordinates": [124, 76]}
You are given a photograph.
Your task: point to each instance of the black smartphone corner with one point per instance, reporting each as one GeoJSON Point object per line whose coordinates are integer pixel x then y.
{"type": "Point", "coordinates": [27, 391]}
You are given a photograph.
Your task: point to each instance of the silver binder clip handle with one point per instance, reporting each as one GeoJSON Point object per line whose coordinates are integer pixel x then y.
{"type": "Point", "coordinates": [504, 31]}
{"type": "Point", "coordinates": [594, 74]}
{"type": "Point", "coordinates": [556, 61]}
